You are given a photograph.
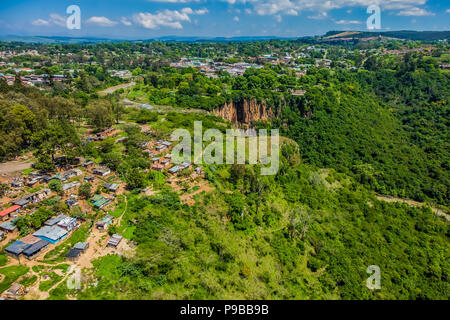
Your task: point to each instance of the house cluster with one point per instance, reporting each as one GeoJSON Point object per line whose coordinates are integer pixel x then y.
{"type": "Point", "coordinates": [19, 204]}
{"type": "Point", "coordinates": [10, 53]}
{"type": "Point", "coordinates": [210, 68]}
{"type": "Point", "coordinates": [33, 79]}
{"type": "Point", "coordinates": [123, 74]}
{"type": "Point", "coordinates": [53, 231]}
{"type": "Point", "coordinates": [101, 136]}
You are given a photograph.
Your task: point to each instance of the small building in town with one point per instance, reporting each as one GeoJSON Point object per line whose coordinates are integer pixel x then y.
{"type": "Point", "coordinates": [73, 255]}
{"type": "Point", "coordinates": [165, 162]}
{"type": "Point", "coordinates": [14, 292]}
{"type": "Point", "coordinates": [89, 178]}
{"type": "Point", "coordinates": [69, 186]}
{"type": "Point", "coordinates": [100, 202]}
{"type": "Point", "coordinates": [82, 246]}
{"type": "Point", "coordinates": [6, 214]}
{"type": "Point", "coordinates": [35, 249]}
{"type": "Point", "coordinates": [101, 171]}
{"type": "Point", "coordinates": [175, 169]}
{"type": "Point", "coordinates": [52, 234]}
{"type": "Point", "coordinates": [8, 226]}
{"type": "Point", "coordinates": [114, 240]}
{"type": "Point", "coordinates": [71, 202]}
{"type": "Point", "coordinates": [103, 224]}
{"type": "Point", "coordinates": [112, 187]}
{"type": "Point", "coordinates": [158, 167]}
{"type": "Point", "coordinates": [16, 249]}
{"type": "Point", "coordinates": [88, 164]}
{"type": "Point", "coordinates": [1, 235]}
{"type": "Point", "coordinates": [54, 221]}
{"type": "Point", "coordinates": [68, 223]}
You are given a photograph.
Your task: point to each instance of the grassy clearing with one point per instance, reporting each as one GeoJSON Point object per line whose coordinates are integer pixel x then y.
{"type": "Point", "coordinates": [11, 275]}
{"type": "Point", "coordinates": [54, 279]}
{"type": "Point", "coordinates": [3, 260]}
{"type": "Point", "coordinates": [28, 281]}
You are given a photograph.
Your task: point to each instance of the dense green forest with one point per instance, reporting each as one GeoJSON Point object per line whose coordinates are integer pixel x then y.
{"type": "Point", "coordinates": [303, 234]}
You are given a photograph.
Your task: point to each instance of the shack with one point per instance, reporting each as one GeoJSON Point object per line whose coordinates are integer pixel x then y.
{"type": "Point", "coordinates": [103, 224]}
{"type": "Point", "coordinates": [6, 214]}
{"type": "Point", "coordinates": [35, 249]}
{"type": "Point", "coordinates": [101, 171]}
{"type": "Point", "coordinates": [73, 255]}
{"type": "Point", "coordinates": [16, 249]}
{"type": "Point", "coordinates": [112, 187]}
{"type": "Point", "coordinates": [114, 240]}
{"type": "Point", "coordinates": [14, 292]}
{"type": "Point", "coordinates": [8, 226]}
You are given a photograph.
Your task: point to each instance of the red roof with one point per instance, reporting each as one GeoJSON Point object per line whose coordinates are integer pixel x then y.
{"type": "Point", "coordinates": [9, 210]}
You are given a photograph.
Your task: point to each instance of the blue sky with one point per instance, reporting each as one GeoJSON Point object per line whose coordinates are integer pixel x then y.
{"type": "Point", "coordinates": [140, 19]}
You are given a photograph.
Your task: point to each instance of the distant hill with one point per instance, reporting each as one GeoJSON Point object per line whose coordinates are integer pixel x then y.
{"type": "Point", "coordinates": [329, 36]}
{"type": "Point", "coordinates": [57, 39]}
{"type": "Point", "coordinates": [403, 34]}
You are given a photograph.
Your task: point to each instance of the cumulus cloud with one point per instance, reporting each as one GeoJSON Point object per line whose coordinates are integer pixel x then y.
{"type": "Point", "coordinates": [415, 12]}
{"type": "Point", "coordinates": [447, 11]}
{"type": "Point", "coordinates": [174, 1]}
{"type": "Point", "coordinates": [347, 22]}
{"type": "Point", "coordinates": [236, 19]}
{"type": "Point", "coordinates": [167, 18]}
{"type": "Point", "coordinates": [40, 22]}
{"type": "Point", "coordinates": [293, 7]}
{"type": "Point", "coordinates": [101, 21]}
{"type": "Point", "coordinates": [125, 22]}
{"type": "Point", "coordinates": [54, 19]}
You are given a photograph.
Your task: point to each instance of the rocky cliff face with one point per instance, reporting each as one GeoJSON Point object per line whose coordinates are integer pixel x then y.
{"type": "Point", "coordinates": [244, 112]}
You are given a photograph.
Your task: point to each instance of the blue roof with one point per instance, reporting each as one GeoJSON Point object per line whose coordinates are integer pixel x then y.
{"type": "Point", "coordinates": [17, 247]}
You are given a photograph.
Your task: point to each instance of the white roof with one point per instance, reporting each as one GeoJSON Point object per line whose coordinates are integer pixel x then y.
{"type": "Point", "coordinates": [53, 233]}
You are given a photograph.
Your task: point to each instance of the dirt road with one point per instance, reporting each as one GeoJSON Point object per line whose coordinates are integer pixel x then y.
{"type": "Point", "coordinates": [14, 166]}
{"type": "Point", "coordinates": [115, 88]}
{"type": "Point", "coordinates": [413, 203]}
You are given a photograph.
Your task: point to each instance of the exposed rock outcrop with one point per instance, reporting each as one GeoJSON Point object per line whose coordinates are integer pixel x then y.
{"type": "Point", "coordinates": [244, 112]}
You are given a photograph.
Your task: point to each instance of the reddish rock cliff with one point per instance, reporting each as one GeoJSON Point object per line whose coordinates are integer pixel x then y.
{"type": "Point", "coordinates": [244, 112]}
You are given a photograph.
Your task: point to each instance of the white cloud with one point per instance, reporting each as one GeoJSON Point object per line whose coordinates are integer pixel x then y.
{"type": "Point", "coordinates": [201, 11]}
{"type": "Point", "coordinates": [57, 20]}
{"type": "Point", "coordinates": [40, 22]}
{"type": "Point", "coordinates": [101, 21]}
{"type": "Point", "coordinates": [274, 7]}
{"type": "Point", "coordinates": [447, 11]}
{"type": "Point", "coordinates": [167, 18]}
{"type": "Point", "coordinates": [236, 19]}
{"type": "Point", "coordinates": [54, 19]}
{"type": "Point", "coordinates": [126, 22]}
{"type": "Point", "coordinates": [347, 22]}
{"type": "Point", "coordinates": [415, 12]}
{"type": "Point", "coordinates": [174, 1]}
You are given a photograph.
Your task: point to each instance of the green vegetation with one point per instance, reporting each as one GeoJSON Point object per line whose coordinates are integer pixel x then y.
{"type": "Point", "coordinates": [303, 234]}
{"type": "Point", "coordinates": [11, 274]}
